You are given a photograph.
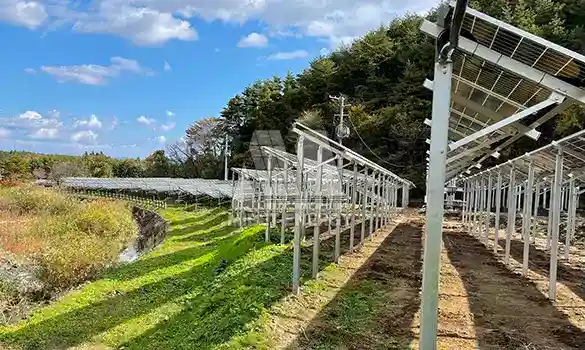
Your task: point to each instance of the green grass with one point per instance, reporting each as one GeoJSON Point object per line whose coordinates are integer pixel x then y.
{"type": "Point", "coordinates": [209, 286]}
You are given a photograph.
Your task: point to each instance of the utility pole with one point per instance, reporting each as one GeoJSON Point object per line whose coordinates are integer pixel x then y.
{"type": "Point", "coordinates": [225, 149]}
{"type": "Point", "coordinates": [342, 132]}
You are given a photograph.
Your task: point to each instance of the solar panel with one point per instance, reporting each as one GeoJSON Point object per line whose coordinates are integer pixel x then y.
{"type": "Point", "coordinates": [501, 76]}
{"type": "Point", "coordinates": [525, 47]}
{"type": "Point", "coordinates": [544, 160]}
{"type": "Point", "coordinates": [212, 188]}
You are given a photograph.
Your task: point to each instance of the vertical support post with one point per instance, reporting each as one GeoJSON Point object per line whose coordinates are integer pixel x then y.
{"type": "Point", "coordinates": [476, 206]}
{"type": "Point", "coordinates": [570, 217]}
{"type": "Point", "coordinates": [511, 213]}
{"type": "Point", "coordinates": [241, 200]}
{"type": "Point", "coordinates": [518, 198]}
{"type": "Point", "coordinates": [339, 196]}
{"type": "Point", "coordinates": [435, 205]}
{"type": "Point", "coordinates": [464, 205]}
{"type": "Point", "coordinates": [233, 213]}
{"type": "Point", "coordinates": [535, 213]}
{"type": "Point", "coordinates": [383, 201]}
{"type": "Point", "coordinates": [575, 206]}
{"type": "Point", "coordinates": [225, 155]}
{"type": "Point", "coordinates": [378, 201]}
{"type": "Point", "coordinates": [364, 206]}
{"type": "Point", "coordinates": [555, 208]}
{"type": "Point", "coordinates": [259, 202]}
{"type": "Point", "coordinates": [405, 193]}
{"type": "Point", "coordinates": [284, 205]}
{"type": "Point", "coordinates": [550, 219]}
{"type": "Point", "coordinates": [488, 213]}
{"type": "Point", "coordinates": [319, 203]}
{"type": "Point", "coordinates": [527, 217]}
{"type": "Point", "coordinates": [353, 208]}
{"type": "Point", "coordinates": [372, 198]}
{"type": "Point", "coordinates": [482, 206]}
{"type": "Point", "coordinates": [275, 200]}
{"type": "Point", "coordinates": [388, 185]}
{"type": "Point", "coordinates": [298, 219]}
{"type": "Point", "coordinates": [469, 214]}
{"type": "Point", "coordinates": [268, 200]}
{"type": "Point", "coordinates": [498, 211]}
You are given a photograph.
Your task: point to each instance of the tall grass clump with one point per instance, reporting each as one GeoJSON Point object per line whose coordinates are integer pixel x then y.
{"type": "Point", "coordinates": [67, 240]}
{"type": "Point", "coordinates": [37, 201]}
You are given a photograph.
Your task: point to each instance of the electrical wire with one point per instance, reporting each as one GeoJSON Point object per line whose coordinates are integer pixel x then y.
{"type": "Point", "coordinates": [373, 153]}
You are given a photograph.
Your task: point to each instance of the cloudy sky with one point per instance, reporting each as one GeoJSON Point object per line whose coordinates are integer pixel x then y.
{"type": "Point", "coordinates": [127, 76]}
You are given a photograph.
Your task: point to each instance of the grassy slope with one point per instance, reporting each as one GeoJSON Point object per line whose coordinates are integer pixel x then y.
{"type": "Point", "coordinates": [205, 288]}
{"type": "Point", "coordinates": [209, 286]}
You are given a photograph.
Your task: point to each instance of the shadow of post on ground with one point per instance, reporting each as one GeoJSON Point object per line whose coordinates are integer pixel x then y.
{"type": "Point", "coordinates": [539, 262]}
{"type": "Point", "coordinates": [376, 308]}
{"type": "Point", "coordinates": [508, 310]}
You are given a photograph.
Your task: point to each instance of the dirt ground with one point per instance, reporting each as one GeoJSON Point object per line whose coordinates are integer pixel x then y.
{"type": "Point", "coordinates": [374, 302]}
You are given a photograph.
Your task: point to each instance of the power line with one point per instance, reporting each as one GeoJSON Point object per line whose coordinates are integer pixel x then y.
{"type": "Point", "coordinates": [372, 152]}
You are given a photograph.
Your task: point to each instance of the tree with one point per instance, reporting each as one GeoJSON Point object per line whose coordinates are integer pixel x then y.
{"type": "Point", "coordinates": [203, 148]}
{"type": "Point", "coordinates": [157, 165]}
{"type": "Point", "coordinates": [66, 169]}
{"type": "Point", "coordinates": [128, 168]}
{"type": "Point", "coordinates": [98, 164]}
{"type": "Point", "coordinates": [15, 166]}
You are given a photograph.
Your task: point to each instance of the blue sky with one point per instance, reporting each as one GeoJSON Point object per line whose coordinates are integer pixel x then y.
{"type": "Point", "coordinates": [127, 77]}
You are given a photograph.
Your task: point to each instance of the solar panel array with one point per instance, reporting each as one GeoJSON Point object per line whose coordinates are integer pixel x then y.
{"type": "Point", "coordinates": [196, 187]}
{"type": "Point", "coordinates": [543, 161]}
{"type": "Point", "coordinates": [500, 71]}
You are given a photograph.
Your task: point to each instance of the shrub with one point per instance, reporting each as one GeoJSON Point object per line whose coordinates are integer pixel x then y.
{"type": "Point", "coordinates": [70, 257]}
{"type": "Point", "coordinates": [32, 200]}
{"type": "Point", "coordinates": [78, 246]}
{"type": "Point", "coordinates": [69, 240]}
{"type": "Point", "coordinates": [106, 219]}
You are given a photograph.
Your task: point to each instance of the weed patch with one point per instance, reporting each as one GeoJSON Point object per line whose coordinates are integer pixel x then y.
{"type": "Point", "coordinates": [67, 241]}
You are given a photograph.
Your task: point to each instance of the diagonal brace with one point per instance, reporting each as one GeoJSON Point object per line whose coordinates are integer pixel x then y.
{"type": "Point", "coordinates": [555, 98]}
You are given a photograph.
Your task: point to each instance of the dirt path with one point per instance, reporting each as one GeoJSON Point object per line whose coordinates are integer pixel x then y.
{"type": "Point", "coordinates": [375, 305]}
{"type": "Point", "coordinates": [507, 311]}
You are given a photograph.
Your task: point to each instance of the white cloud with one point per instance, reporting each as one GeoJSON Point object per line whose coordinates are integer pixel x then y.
{"type": "Point", "coordinates": [33, 120]}
{"type": "Point", "coordinates": [288, 55]}
{"type": "Point", "coordinates": [4, 132]}
{"type": "Point", "coordinates": [45, 133]}
{"type": "Point", "coordinates": [124, 64]}
{"type": "Point", "coordinates": [170, 113]}
{"type": "Point", "coordinates": [167, 67]}
{"type": "Point", "coordinates": [253, 40]}
{"type": "Point", "coordinates": [92, 123]}
{"type": "Point", "coordinates": [324, 52]}
{"type": "Point", "coordinates": [145, 120]}
{"type": "Point", "coordinates": [154, 22]}
{"type": "Point", "coordinates": [55, 114]}
{"type": "Point", "coordinates": [161, 139]}
{"type": "Point", "coordinates": [168, 127]}
{"type": "Point", "coordinates": [143, 25]}
{"type": "Point", "coordinates": [320, 18]}
{"type": "Point", "coordinates": [93, 74]}
{"type": "Point", "coordinates": [30, 71]}
{"type": "Point", "coordinates": [30, 115]}
{"type": "Point", "coordinates": [30, 14]}
{"type": "Point", "coordinates": [86, 136]}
